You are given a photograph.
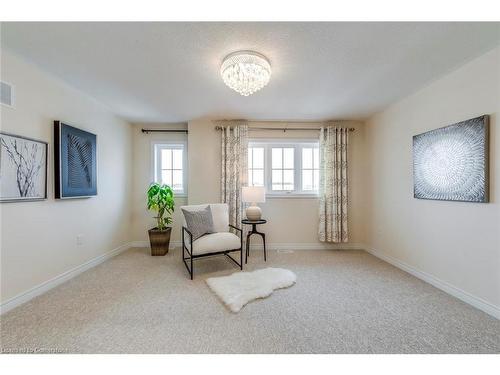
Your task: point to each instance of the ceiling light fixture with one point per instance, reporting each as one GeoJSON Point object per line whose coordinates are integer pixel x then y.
{"type": "Point", "coordinates": [245, 71]}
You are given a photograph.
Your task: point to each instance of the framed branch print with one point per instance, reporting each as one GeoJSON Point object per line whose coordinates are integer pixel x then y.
{"type": "Point", "coordinates": [23, 168]}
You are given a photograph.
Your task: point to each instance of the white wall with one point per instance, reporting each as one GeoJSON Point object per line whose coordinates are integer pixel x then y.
{"type": "Point", "coordinates": [290, 220]}
{"type": "Point", "coordinates": [457, 243]}
{"type": "Point", "coordinates": [38, 239]}
{"type": "Point", "coordinates": [142, 219]}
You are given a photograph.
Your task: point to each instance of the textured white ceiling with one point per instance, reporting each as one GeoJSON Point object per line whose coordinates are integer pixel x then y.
{"type": "Point", "coordinates": [169, 72]}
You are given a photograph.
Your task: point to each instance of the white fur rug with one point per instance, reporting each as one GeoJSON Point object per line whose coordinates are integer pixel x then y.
{"type": "Point", "coordinates": [240, 288]}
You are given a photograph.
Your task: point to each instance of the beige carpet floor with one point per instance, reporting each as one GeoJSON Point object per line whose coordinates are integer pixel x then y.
{"type": "Point", "coordinates": [343, 302]}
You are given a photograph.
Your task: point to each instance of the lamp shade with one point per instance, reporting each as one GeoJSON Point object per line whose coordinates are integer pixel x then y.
{"type": "Point", "coordinates": [254, 194]}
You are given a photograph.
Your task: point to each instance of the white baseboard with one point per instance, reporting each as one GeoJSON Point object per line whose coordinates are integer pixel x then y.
{"type": "Point", "coordinates": [307, 246]}
{"type": "Point", "coordinates": [173, 244]}
{"type": "Point", "coordinates": [276, 246]}
{"type": "Point", "coordinates": [440, 284]}
{"type": "Point", "coordinates": [65, 276]}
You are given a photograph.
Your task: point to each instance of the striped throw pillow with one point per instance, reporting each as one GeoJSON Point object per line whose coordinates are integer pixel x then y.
{"type": "Point", "coordinates": [199, 222]}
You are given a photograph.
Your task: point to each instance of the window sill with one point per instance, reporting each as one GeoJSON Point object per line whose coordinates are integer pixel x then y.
{"type": "Point", "coordinates": [292, 196]}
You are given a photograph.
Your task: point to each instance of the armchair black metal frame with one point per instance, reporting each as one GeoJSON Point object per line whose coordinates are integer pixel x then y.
{"type": "Point", "coordinates": [192, 257]}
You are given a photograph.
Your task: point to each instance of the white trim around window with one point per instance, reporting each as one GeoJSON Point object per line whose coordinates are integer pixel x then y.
{"type": "Point", "coordinates": [291, 182]}
{"type": "Point", "coordinates": [175, 173]}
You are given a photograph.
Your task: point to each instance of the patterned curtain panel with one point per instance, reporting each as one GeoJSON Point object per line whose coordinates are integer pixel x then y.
{"type": "Point", "coordinates": [333, 185]}
{"type": "Point", "coordinates": [234, 166]}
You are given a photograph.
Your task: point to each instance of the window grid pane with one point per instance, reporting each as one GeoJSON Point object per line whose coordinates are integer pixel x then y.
{"type": "Point", "coordinates": [310, 168]}
{"type": "Point", "coordinates": [171, 168]}
{"type": "Point", "coordinates": [282, 173]}
{"type": "Point", "coordinates": [258, 158]}
{"type": "Point", "coordinates": [316, 179]}
{"type": "Point", "coordinates": [256, 166]}
{"type": "Point", "coordinates": [277, 176]}
{"type": "Point", "coordinates": [177, 159]}
{"type": "Point", "coordinates": [307, 180]}
{"type": "Point", "coordinates": [258, 177]}
{"type": "Point", "coordinates": [277, 157]}
{"type": "Point", "coordinates": [166, 177]}
{"type": "Point", "coordinates": [288, 157]}
{"type": "Point", "coordinates": [177, 179]}
{"type": "Point", "coordinates": [166, 158]}
{"type": "Point", "coordinates": [307, 158]}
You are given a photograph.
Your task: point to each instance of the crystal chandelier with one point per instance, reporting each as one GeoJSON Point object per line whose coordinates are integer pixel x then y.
{"type": "Point", "coordinates": [245, 71]}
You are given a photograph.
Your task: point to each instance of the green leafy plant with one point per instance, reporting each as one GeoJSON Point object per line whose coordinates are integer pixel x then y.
{"type": "Point", "coordinates": [161, 200]}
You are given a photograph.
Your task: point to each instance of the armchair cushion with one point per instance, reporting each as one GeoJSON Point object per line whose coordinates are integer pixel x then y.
{"type": "Point", "coordinates": [199, 222]}
{"type": "Point", "coordinates": [214, 242]}
{"type": "Point", "coordinates": [220, 214]}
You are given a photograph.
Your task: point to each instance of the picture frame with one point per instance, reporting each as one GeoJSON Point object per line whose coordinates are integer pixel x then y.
{"type": "Point", "coordinates": [452, 163]}
{"type": "Point", "coordinates": [23, 168]}
{"type": "Point", "coordinates": [75, 162]}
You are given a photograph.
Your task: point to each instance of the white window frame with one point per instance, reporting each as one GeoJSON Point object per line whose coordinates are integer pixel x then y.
{"type": "Point", "coordinates": [156, 147]}
{"type": "Point", "coordinates": [297, 144]}
{"type": "Point", "coordinates": [302, 169]}
{"type": "Point", "coordinates": [256, 169]}
{"type": "Point", "coordinates": [282, 169]}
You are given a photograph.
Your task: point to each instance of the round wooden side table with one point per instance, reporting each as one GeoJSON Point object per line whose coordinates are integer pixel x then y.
{"type": "Point", "coordinates": [254, 224]}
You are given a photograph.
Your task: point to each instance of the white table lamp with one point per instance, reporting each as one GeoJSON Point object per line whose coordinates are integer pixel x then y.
{"type": "Point", "coordinates": [253, 195]}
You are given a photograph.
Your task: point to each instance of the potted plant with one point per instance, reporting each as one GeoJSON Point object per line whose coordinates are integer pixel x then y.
{"type": "Point", "coordinates": [160, 200]}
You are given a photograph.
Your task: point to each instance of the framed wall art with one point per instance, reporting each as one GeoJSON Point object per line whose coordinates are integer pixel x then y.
{"type": "Point", "coordinates": [23, 168]}
{"type": "Point", "coordinates": [451, 163]}
{"type": "Point", "coordinates": [75, 162]}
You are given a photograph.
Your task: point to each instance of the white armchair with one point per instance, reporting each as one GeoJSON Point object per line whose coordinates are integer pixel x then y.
{"type": "Point", "coordinates": [221, 242]}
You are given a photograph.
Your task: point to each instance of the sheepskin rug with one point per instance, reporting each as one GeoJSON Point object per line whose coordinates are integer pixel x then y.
{"type": "Point", "coordinates": [238, 289]}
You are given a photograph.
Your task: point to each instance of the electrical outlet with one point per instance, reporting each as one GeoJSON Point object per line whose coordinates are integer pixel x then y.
{"type": "Point", "coordinates": [79, 240]}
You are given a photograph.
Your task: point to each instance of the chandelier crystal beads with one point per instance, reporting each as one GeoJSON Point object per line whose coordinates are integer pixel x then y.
{"type": "Point", "coordinates": [245, 71]}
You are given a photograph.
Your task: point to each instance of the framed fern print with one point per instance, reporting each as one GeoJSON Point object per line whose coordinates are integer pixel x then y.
{"type": "Point", "coordinates": [75, 160]}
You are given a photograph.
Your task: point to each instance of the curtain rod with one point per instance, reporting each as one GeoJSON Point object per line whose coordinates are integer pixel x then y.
{"type": "Point", "coordinates": [164, 131]}
{"type": "Point", "coordinates": [281, 129]}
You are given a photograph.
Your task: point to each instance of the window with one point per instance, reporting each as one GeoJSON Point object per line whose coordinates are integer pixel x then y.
{"type": "Point", "coordinates": [284, 167]}
{"type": "Point", "coordinates": [282, 171]}
{"type": "Point", "coordinates": [310, 168]}
{"type": "Point", "coordinates": [256, 166]}
{"type": "Point", "coordinates": [170, 165]}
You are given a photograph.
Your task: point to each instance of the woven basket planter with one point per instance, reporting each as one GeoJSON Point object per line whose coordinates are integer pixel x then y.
{"type": "Point", "coordinates": [159, 240]}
